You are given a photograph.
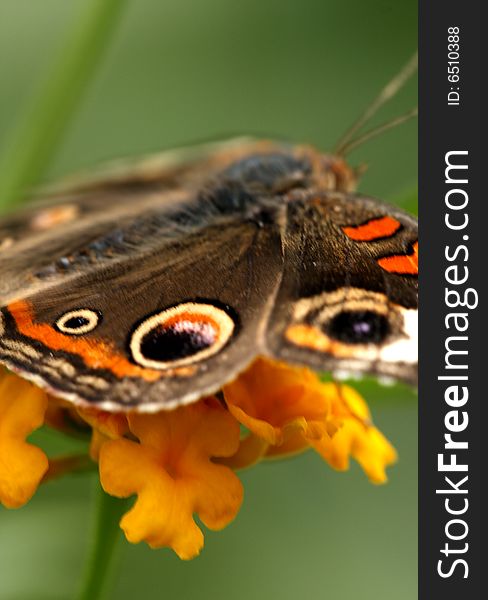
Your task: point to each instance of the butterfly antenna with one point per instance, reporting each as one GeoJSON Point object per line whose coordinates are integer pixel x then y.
{"type": "Point", "coordinates": [388, 92]}
{"type": "Point", "coordinates": [372, 133]}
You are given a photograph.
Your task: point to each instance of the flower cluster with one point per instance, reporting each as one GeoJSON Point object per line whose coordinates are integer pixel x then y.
{"type": "Point", "coordinates": [182, 463]}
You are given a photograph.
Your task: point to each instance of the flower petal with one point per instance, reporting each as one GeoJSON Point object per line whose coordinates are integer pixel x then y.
{"type": "Point", "coordinates": [357, 438]}
{"type": "Point", "coordinates": [291, 409]}
{"type": "Point", "coordinates": [112, 425]}
{"type": "Point", "coordinates": [105, 426]}
{"type": "Point", "coordinates": [274, 401]}
{"type": "Point", "coordinates": [172, 472]}
{"type": "Point", "coordinates": [251, 450]}
{"type": "Point", "coordinates": [294, 444]}
{"type": "Point", "coordinates": [22, 465]}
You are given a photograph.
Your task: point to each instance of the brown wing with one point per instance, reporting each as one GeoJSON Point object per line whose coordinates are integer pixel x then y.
{"type": "Point", "coordinates": [155, 288]}
{"type": "Point", "coordinates": [348, 300]}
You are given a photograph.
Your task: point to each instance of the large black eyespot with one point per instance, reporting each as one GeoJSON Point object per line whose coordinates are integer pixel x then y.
{"type": "Point", "coordinates": [78, 321]}
{"type": "Point", "coordinates": [358, 327]}
{"type": "Point", "coordinates": [181, 335]}
{"type": "Point", "coordinates": [178, 340]}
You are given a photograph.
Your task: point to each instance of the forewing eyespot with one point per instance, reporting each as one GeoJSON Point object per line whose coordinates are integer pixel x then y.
{"type": "Point", "coordinates": [181, 335]}
{"type": "Point", "coordinates": [78, 321]}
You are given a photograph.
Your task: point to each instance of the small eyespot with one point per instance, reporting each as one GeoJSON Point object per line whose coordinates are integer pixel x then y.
{"type": "Point", "coordinates": [358, 327]}
{"type": "Point", "coordinates": [181, 335]}
{"type": "Point", "coordinates": [78, 322]}
{"type": "Point", "coordinates": [53, 216]}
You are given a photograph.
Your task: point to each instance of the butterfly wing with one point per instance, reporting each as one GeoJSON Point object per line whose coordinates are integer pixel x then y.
{"type": "Point", "coordinates": [349, 296]}
{"type": "Point", "coordinates": [152, 300]}
{"type": "Point", "coordinates": [154, 288]}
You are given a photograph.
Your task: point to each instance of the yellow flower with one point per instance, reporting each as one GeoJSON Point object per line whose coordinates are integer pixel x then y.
{"type": "Point", "coordinates": [181, 463]}
{"type": "Point", "coordinates": [274, 400]}
{"type": "Point", "coordinates": [290, 409]}
{"type": "Point", "coordinates": [170, 469]}
{"type": "Point", "coordinates": [22, 465]}
{"type": "Point", "coordinates": [357, 438]}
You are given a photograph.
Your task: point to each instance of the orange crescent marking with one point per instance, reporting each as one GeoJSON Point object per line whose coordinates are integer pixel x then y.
{"type": "Point", "coordinates": [375, 229]}
{"type": "Point", "coordinates": [402, 264]}
{"type": "Point", "coordinates": [95, 353]}
{"type": "Point", "coordinates": [308, 337]}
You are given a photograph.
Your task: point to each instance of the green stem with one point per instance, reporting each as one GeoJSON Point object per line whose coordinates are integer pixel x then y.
{"type": "Point", "coordinates": [106, 534]}
{"type": "Point", "coordinates": [34, 141]}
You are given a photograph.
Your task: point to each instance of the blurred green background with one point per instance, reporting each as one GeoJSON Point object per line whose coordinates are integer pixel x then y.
{"type": "Point", "coordinates": [184, 72]}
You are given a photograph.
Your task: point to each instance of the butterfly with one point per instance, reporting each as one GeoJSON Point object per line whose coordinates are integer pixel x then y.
{"type": "Point", "coordinates": [152, 285]}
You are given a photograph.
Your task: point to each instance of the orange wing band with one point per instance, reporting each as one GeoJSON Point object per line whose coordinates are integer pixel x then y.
{"type": "Point", "coordinates": [402, 264]}
{"type": "Point", "coordinates": [96, 354]}
{"type": "Point", "coordinates": [376, 229]}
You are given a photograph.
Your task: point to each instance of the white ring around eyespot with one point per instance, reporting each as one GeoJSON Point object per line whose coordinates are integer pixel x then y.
{"type": "Point", "coordinates": [223, 321]}
{"type": "Point", "coordinates": [91, 316]}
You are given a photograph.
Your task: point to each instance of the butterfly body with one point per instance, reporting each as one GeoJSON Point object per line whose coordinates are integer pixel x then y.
{"type": "Point", "coordinates": [150, 287]}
